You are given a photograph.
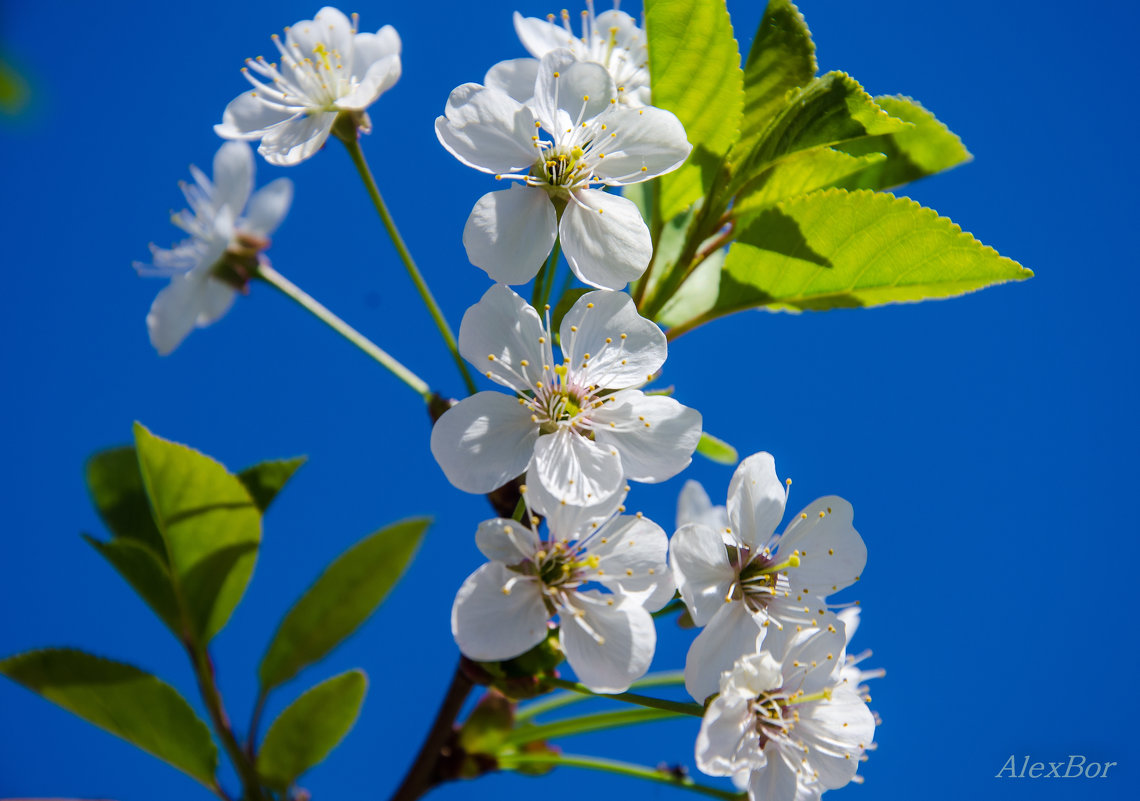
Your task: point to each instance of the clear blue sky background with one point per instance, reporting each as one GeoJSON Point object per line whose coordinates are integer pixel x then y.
{"type": "Point", "coordinates": [987, 443]}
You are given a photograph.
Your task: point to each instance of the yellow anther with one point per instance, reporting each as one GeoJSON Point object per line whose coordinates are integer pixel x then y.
{"type": "Point", "coordinates": [557, 75]}
{"type": "Point", "coordinates": [490, 357]}
{"type": "Point", "coordinates": [589, 305]}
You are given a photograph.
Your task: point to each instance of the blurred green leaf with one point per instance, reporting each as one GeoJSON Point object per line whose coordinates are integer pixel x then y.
{"type": "Point", "coordinates": [310, 728]}
{"type": "Point", "coordinates": [125, 701]}
{"type": "Point", "coordinates": [924, 149]}
{"type": "Point", "coordinates": [150, 579]}
{"type": "Point", "coordinates": [781, 60]}
{"type": "Point", "coordinates": [344, 596]}
{"type": "Point", "coordinates": [263, 481]}
{"type": "Point", "coordinates": [697, 294]}
{"type": "Point", "coordinates": [716, 450]}
{"type": "Point", "coordinates": [694, 64]}
{"type": "Point", "coordinates": [117, 490]}
{"type": "Point", "coordinates": [839, 249]}
{"type": "Point", "coordinates": [210, 524]}
{"type": "Point", "coordinates": [14, 93]}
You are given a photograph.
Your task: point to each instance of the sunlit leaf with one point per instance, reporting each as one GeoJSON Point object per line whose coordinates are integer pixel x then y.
{"type": "Point", "coordinates": [209, 523]}
{"type": "Point", "coordinates": [694, 66]}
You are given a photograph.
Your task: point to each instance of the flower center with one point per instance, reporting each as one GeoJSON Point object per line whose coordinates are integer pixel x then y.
{"type": "Point", "coordinates": [561, 167]}
{"type": "Point", "coordinates": [761, 578]}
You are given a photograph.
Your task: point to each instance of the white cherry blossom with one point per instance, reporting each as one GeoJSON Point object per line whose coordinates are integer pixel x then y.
{"type": "Point", "coordinates": [326, 69]}
{"type": "Point", "coordinates": [612, 39]}
{"type": "Point", "coordinates": [787, 728]}
{"type": "Point", "coordinates": [607, 632]}
{"type": "Point", "coordinates": [577, 424]}
{"type": "Point", "coordinates": [227, 229]}
{"type": "Point", "coordinates": [573, 137]}
{"type": "Point", "coordinates": [855, 675]}
{"type": "Point", "coordinates": [744, 583]}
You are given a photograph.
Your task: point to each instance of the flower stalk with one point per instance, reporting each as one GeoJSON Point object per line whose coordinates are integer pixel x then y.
{"type": "Point", "coordinates": [683, 782]}
{"type": "Point", "coordinates": [318, 310]}
{"type": "Point", "coordinates": [357, 155]}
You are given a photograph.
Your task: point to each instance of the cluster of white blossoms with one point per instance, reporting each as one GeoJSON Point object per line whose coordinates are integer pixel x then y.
{"type": "Point", "coordinates": [786, 715]}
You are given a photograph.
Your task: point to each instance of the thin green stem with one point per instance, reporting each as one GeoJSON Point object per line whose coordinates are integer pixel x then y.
{"type": "Point", "coordinates": [312, 305]}
{"type": "Point", "coordinates": [550, 270]}
{"type": "Point", "coordinates": [680, 707]}
{"type": "Point", "coordinates": [207, 685]}
{"type": "Point", "coordinates": [613, 766]}
{"type": "Point", "coordinates": [559, 700]}
{"type": "Point", "coordinates": [584, 724]}
{"type": "Point", "coordinates": [357, 155]}
{"type": "Point", "coordinates": [255, 723]}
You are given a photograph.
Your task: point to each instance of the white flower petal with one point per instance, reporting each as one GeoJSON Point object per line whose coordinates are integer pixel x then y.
{"type": "Point", "coordinates": [728, 741]}
{"type": "Point", "coordinates": [510, 233]}
{"type": "Point", "coordinates": [694, 506]}
{"type": "Point", "coordinates": [214, 300]}
{"type": "Point", "coordinates": [756, 500]}
{"type": "Point", "coordinates": [381, 76]}
{"type": "Point", "coordinates": [647, 142]}
{"type": "Point", "coordinates": [836, 733]}
{"type": "Point", "coordinates": [484, 441]}
{"type": "Point", "coordinates": [500, 336]}
{"type": "Point", "coordinates": [573, 469]}
{"type": "Point", "coordinates": [506, 541]}
{"type": "Point", "coordinates": [606, 242]}
{"type": "Point", "coordinates": [730, 634]}
{"type": "Point", "coordinates": [832, 554]}
{"type": "Point", "coordinates": [701, 569]}
{"type": "Point", "coordinates": [328, 30]}
{"type": "Point", "coordinates": [268, 207]}
{"type": "Point", "coordinates": [487, 129]}
{"type": "Point", "coordinates": [246, 117]}
{"type": "Point", "coordinates": [515, 77]}
{"type": "Point", "coordinates": [607, 645]}
{"type": "Point", "coordinates": [632, 555]}
{"type": "Point", "coordinates": [776, 780]}
{"type": "Point", "coordinates": [174, 312]}
{"type": "Point", "coordinates": [490, 624]}
{"type": "Point", "coordinates": [539, 37]}
{"type": "Point", "coordinates": [297, 139]}
{"type": "Point", "coordinates": [655, 435]}
{"type": "Point", "coordinates": [571, 521]}
{"type": "Point", "coordinates": [568, 92]}
{"type": "Point", "coordinates": [233, 176]}
{"type": "Point", "coordinates": [371, 47]}
{"type": "Point", "coordinates": [623, 348]}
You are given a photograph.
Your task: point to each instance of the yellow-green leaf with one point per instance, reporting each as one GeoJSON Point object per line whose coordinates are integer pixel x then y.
{"type": "Point", "coordinates": [209, 523]}
{"type": "Point", "coordinates": [839, 249]}
{"type": "Point", "coordinates": [923, 149]}
{"type": "Point", "coordinates": [694, 68]}
{"type": "Point", "coordinates": [782, 59]}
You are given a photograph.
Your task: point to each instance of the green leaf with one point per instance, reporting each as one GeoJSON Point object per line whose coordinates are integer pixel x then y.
{"type": "Point", "coordinates": [694, 66]}
{"type": "Point", "coordinates": [839, 249]}
{"type": "Point", "coordinates": [263, 481]}
{"type": "Point", "coordinates": [782, 59]}
{"type": "Point", "coordinates": [831, 110]}
{"type": "Point", "coordinates": [310, 728]}
{"type": "Point", "coordinates": [117, 490]}
{"type": "Point", "coordinates": [716, 450]}
{"type": "Point", "coordinates": [344, 596]}
{"type": "Point", "coordinates": [149, 577]}
{"type": "Point", "coordinates": [924, 149]}
{"type": "Point", "coordinates": [797, 175]}
{"type": "Point", "coordinates": [210, 524]}
{"type": "Point", "coordinates": [697, 294]}
{"type": "Point", "coordinates": [125, 701]}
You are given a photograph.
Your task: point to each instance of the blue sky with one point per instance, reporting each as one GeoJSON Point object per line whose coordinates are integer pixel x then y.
{"type": "Point", "coordinates": [986, 443]}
